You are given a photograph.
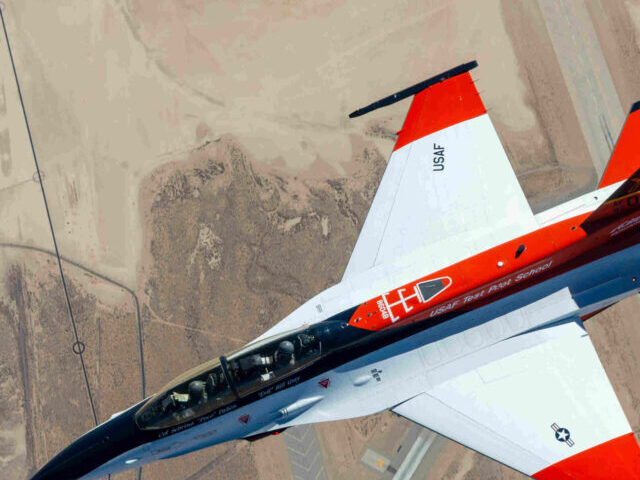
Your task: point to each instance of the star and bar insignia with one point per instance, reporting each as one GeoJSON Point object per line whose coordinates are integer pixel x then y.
{"type": "Point", "coordinates": [562, 434]}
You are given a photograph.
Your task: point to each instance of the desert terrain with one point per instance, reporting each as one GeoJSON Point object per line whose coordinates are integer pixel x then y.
{"type": "Point", "coordinates": [203, 179]}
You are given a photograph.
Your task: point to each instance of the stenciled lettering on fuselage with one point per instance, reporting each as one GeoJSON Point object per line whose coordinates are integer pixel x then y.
{"type": "Point", "coordinates": [491, 289]}
{"type": "Point", "coordinates": [504, 283]}
{"type": "Point", "coordinates": [200, 420]}
{"type": "Point", "coordinates": [624, 226]}
{"type": "Point", "coordinates": [279, 386]}
{"type": "Point", "coordinates": [289, 382]}
{"type": "Point", "coordinates": [438, 158]}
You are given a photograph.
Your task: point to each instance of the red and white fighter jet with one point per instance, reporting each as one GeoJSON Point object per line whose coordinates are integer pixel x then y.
{"type": "Point", "coordinates": [459, 309]}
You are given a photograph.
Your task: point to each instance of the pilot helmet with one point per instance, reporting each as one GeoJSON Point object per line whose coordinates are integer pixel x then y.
{"type": "Point", "coordinates": [196, 390]}
{"type": "Point", "coordinates": [286, 348]}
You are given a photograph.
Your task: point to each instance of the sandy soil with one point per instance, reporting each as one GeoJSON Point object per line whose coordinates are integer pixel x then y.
{"type": "Point", "coordinates": [617, 24]}
{"type": "Point", "coordinates": [116, 89]}
{"type": "Point", "coordinates": [343, 443]}
{"type": "Point", "coordinates": [551, 159]}
{"type": "Point", "coordinates": [200, 156]}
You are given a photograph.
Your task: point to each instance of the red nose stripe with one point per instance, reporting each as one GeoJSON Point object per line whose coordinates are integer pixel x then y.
{"type": "Point", "coordinates": [440, 106]}
{"type": "Point", "coordinates": [616, 459]}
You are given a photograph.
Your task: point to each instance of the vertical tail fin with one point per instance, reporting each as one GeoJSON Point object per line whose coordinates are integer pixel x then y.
{"type": "Point", "coordinates": [625, 158]}
{"type": "Point", "coordinates": [621, 203]}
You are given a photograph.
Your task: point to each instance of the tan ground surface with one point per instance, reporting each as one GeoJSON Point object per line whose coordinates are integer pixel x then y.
{"type": "Point", "coordinates": [197, 156]}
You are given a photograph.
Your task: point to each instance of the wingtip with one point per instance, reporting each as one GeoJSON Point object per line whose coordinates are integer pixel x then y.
{"type": "Point", "coordinates": [407, 92]}
{"type": "Point", "coordinates": [616, 458]}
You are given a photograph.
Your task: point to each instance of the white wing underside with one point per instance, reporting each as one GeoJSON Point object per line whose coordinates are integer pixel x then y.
{"type": "Point", "coordinates": [473, 204]}
{"type": "Point", "coordinates": [507, 408]}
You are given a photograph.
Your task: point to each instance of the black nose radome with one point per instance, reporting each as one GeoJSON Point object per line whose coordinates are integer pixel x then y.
{"type": "Point", "coordinates": [95, 448]}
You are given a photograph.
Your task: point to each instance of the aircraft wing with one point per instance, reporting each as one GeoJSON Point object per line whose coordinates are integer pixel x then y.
{"type": "Point", "coordinates": [448, 179]}
{"type": "Point", "coordinates": [540, 403]}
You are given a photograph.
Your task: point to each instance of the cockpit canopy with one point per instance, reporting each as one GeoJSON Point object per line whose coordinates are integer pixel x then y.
{"type": "Point", "coordinates": [219, 382]}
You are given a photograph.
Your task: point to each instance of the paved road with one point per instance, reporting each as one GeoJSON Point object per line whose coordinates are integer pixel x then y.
{"type": "Point", "coordinates": [586, 75]}
{"type": "Point", "coordinates": [415, 455]}
{"type": "Point", "coordinates": [304, 453]}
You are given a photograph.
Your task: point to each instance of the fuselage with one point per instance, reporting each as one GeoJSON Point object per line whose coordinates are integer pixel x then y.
{"type": "Point", "coordinates": [366, 358]}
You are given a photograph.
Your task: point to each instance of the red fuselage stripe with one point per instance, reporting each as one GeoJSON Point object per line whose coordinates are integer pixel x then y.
{"type": "Point", "coordinates": [480, 280]}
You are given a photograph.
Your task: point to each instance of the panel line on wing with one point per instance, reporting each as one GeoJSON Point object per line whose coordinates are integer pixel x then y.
{"type": "Point", "coordinates": [393, 204]}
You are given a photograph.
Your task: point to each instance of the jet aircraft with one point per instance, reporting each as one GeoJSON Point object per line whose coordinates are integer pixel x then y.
{"type": "Point", "coordinates": [459, 309]}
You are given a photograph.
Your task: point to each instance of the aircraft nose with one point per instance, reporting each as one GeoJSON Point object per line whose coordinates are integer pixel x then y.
{"type": "Point", "coordinates": [76, 460]}
{"type": "Point", "coordinates": [95, 448]}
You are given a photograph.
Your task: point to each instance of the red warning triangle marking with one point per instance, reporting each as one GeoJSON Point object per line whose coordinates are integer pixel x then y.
{"type": "Point", "coordinates": [324, 383]}
{"type": "Point", "coordinates": [244, 419]}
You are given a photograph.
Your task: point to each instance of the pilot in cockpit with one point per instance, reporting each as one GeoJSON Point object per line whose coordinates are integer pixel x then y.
{"type": "Point", "coordinates": [285, 354]}
{"type": "Point", "coordinates": [197, 393]}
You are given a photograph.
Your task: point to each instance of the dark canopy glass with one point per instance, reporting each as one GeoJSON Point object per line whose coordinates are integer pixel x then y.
{"type": "Point", "coordinates": [219, 382]}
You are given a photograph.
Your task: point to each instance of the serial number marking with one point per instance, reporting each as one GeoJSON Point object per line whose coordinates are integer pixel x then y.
{"type": "Point", "coordinates": [383, 309]}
